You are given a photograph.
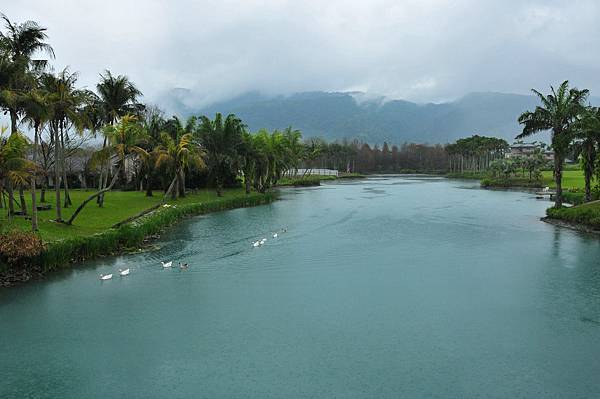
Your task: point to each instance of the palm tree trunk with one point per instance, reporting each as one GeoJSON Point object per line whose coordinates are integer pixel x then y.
{"type": "Point", "coordinates": [13, 121]}
{"type": "Point", "coordinates": [101, 183]}
{"type": "Point", "coordinates": [11, 199]}
{"type": "Point", "coordinates": [170, 189]}
{"type": "Point", "coordinates": [181, 183]}
{"type": "Point", "coordinates": [247, 182]}
{"type": "Point", "coordinates": [91, 197]}
{"type": "Point", "coordinates": [64, 170]}
{"type": "Point", "coordinates": [43, 193]}
{"type": "Point", "coordinates": [34, 221]}
{"type": "Point", "coordinates": [57, 175]}
{"type": "Point", "coordinates": [558, 179]}
{"type": "Point", "coordinates": [588, 172]}
{"type": "Point", "coordinates": [148, 186]}
{"type": "Point", "coordinates": [23, 204]}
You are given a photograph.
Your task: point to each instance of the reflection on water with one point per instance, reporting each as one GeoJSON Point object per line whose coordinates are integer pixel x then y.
{"type": "Point", "coordinates": [396, 286]}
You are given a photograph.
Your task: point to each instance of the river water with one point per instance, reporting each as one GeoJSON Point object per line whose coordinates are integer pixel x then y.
{"type": "Point", "coordinates": [383, 288]}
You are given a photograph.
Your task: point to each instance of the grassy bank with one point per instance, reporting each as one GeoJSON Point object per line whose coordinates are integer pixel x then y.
{"type": "Point", "coordinates": [93, 235]}
{"type": "Point", "coordinates": [585, 215]}
{"type": "Point", "coordinates": [491, 182]}
{"type": "Point", "coordinates": [306, 181]}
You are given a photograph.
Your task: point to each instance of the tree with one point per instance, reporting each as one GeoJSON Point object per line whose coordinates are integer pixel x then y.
{"type": "Point", "coordinates": [64, 101]}
{"type": "Point", "coordinates": [557, 113]}
{"type": "Point", "coordinates": [19, 44]}
{"type": "Point", "coordinates": [221, 141]}
{"type": "Point", "coordinates": [14, 167]}
{"type": "Point", "coordinates": [123, 139]}
{"type": "Point", "coordinates": [178, 155]}
{"type": "Point", "coordinates": [37, 113]}
{"type": "Point", "coordinates": [117, 97]}
{"type": "Point", "coordinates": [587, 138]}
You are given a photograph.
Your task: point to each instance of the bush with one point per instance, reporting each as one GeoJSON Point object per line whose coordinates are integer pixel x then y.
{"type": "Point", "coordinates": [20, 248]}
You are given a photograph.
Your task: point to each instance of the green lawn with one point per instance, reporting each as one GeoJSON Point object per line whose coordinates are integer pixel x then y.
{"type": "Point", "coordinates": [571, 179]}
{"type": "Point", "coordinates": [118, 206]}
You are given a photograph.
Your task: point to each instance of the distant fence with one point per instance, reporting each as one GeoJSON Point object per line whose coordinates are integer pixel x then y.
{"type": "Point", "coordinates": [306, 172]}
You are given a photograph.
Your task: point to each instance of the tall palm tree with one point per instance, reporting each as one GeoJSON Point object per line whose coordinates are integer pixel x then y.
{"type": "Point", "coordinates": [178, 155]}
{"type": "Point", "coordinates": [123, 140]}
{"type": "Point", "coordinates": [36, 113]}
{"type": "Point", "coordinates": [19, 43]}
{"type": "Point", "coordinates": [117, 97]}
{"type": "Point", "coordinates": [64, 101]}
{"type": "Point", "coordinates": [557, 113]}
{"type": "Point", "coordinates": [587, 139]}
{"type": "Point", "coordinates": [221, 140]}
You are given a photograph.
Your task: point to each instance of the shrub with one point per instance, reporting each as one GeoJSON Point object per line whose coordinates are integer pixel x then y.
{"type": "Point", "coordinates": [20, 248]}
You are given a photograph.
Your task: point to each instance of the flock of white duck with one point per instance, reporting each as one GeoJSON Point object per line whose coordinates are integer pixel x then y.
{"type": "Point", "coordinates": [263, 240]}
{"type": "Point", "coordinates": [184, 266]}
{"type": "Point", "coordinates": [126, 272]}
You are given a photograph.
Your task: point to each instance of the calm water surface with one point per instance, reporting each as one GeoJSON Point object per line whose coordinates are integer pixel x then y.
{"type": "Point", "coordinates": [385, 288]}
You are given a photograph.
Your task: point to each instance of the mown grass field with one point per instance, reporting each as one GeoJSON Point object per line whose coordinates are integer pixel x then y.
{"type": "Point", "coordinates": [118, 206]}
{"type": "Point", "coordinates": [572, 179]}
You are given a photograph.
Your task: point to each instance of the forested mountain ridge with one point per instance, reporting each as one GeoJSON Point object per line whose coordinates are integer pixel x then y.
{"type": "Point", "coordinates": [347, 115]}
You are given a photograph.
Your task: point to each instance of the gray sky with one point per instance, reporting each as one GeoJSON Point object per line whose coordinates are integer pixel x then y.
{"type": "Point", "coordinates": [420, 50]}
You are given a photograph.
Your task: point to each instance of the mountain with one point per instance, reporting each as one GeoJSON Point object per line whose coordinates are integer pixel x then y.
{"type": "Point", "coordinates": [374, 120]}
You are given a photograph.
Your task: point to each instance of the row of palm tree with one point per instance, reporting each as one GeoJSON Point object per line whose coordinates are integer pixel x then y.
{"type": "Point", "coordinates": [574, 126]}
{"type": "Point", "coordinates": [136, 139]}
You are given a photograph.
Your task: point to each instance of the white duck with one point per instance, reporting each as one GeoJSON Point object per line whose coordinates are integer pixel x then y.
{"type": "Point", "coordinates": [256, 244]}
{"type": "Point", "coordinates": [263, 241]}
{"type": "Point", "coordinates": [124, 272]}
{"type": "Point", "coordinates": [105, 276]}
{"type": "Point", "coordinates": [167, 264]}
{"type": "Point", "coordinates": [275, 235]}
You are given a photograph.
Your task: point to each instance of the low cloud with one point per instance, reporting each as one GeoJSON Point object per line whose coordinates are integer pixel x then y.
{"type": "Point", "coordinates": [420, 50]}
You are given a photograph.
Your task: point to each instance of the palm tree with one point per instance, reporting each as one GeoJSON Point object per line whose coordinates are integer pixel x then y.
{"type": "Point", "coordinates": [587, 135]}
{"type": "Point", "coordinates": [37, 113]}
{"type": "Point", "coordinates": [178, 155]}
{"type": "Point", "coordinates": [117, 98]}
{"type": "Point", "coordinates": [14, 167]}
{"type": "Point", "coordinates": [558, 113]}
{"type": "Point", "coordinates": [19, 44]}
{"type": "Point", "coordinates": [123, 140]}
{"type": "Point", "coordinates": [221, 141]}
{"type": "Point", "coordinates": [64, 102]}
{"type": "Point", "coordinates": [247, 159]}
{"type": "Point", "coordinates": [294, 147]}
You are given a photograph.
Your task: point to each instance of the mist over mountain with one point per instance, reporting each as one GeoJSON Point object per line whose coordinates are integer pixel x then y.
{"type": "Point", "coordinates": [371, 119]}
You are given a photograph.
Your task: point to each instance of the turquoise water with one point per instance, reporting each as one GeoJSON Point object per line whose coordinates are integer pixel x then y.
{"type": "Point", "coordinates": [385, 288]}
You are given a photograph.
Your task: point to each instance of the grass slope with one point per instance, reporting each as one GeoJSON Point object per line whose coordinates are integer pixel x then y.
{"type": "Point", "coordinates": [118, 206]}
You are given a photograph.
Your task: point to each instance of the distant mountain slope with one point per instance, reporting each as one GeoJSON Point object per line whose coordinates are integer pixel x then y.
{"type": "Point", "coordinates": [345, 115]}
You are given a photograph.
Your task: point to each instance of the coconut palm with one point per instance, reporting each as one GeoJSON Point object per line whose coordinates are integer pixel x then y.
{"type": "Point", "coordinates": [178, 155]}
{"type": "Point", "coordinates": [19, 43]}
{"type": "Point", "coordinates": [36, 112]}
{"type": "Point", "coordinates": [14, 167]}
{"type": "Point", "coordinates": [587, 139]}
{"type": "Point", "coordinates": [557, 113]}
{"type": "Point", "coordinates": [117, 97]}
{"type": "Point", "coordinates": [221, 140]}
{"type": "Point", "coordinates": [65, 102]}
{"type": "Point", "coordinates": [123, 139]}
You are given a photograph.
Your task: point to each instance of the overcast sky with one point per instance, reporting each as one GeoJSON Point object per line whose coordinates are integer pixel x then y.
{"type": "Point", "coordinates": [421, 50]}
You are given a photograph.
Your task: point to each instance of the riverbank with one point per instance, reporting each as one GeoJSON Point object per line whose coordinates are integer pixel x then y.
{"type": "Point", "coordinates": [584, 217]}
{"type": "Point", "coordinates": [63, 246]}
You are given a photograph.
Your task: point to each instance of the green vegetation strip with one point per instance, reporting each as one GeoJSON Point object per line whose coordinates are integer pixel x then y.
{"type": "Point", "coordinates": [587, 215]}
